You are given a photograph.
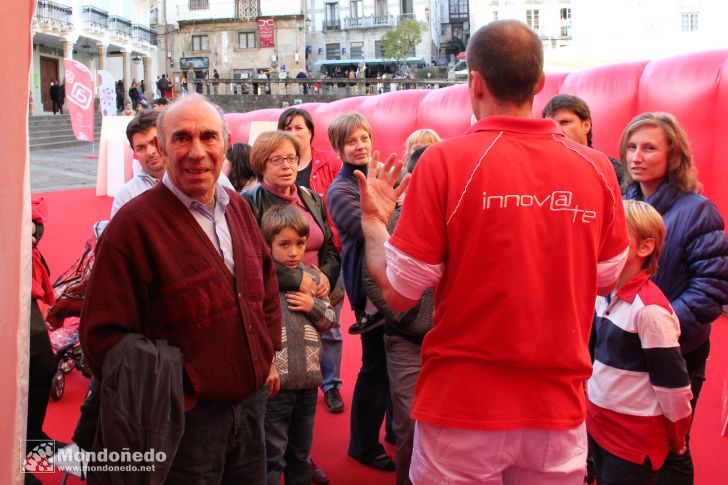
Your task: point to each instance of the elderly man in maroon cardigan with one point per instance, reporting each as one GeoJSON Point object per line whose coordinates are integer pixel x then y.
{"type": "Point", "coordinates": [185, 262]}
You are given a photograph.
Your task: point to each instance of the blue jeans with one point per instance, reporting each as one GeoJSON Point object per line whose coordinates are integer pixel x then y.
{"type": "Point", "coordinates": [289, 419]}
{"type": "Point", "coordinates": [222, 443]}
{"type": "Point", "coordinates": [370, 398]}
{"type": "Point", "coordinates": [679, 470]}
{"type": "Point", "coordinates": [331, 345]}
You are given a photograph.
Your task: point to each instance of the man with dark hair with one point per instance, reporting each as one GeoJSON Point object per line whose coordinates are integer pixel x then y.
{"type": "Point", "coordinates": [141, 133]}
{"type": "Point", "coordinates": [160, 103]}
{"type": "Point", "coordinates": [523, 229]}
{"type": "Point", "coordinates": [573, 117]}
{"type": "Point", "coordinates": [185, 262]}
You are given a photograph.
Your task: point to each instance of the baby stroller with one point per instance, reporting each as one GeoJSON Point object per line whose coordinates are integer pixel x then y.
{"type": "Point", "coordinates": [64, 315]}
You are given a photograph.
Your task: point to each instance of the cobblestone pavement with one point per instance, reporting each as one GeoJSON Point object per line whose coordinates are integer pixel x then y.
{"type": "Point", "coordinates": [63, 168]}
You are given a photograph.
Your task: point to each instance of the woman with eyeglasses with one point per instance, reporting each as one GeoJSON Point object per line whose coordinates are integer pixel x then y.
{"type": "Point", "coordinates": [274, 159]}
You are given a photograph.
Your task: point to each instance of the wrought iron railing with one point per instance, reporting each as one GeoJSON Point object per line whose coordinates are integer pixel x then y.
{"type": "Point", "coordinates": [95, 17]}
{"type": "Point", "coordinates": [144, 34]}
{"type": "Point", "coordinates": [120, 26]}
{"type": "Point", "coordinates": [331, 24]}
{"type": "Point", "coordinates": [368, 22]}
{"type": "Point", "coordinates": [51, 12]}
{"type": "Point", "coordinates": [338, 87]}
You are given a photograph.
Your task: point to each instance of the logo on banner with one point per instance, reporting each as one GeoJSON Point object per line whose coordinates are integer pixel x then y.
{"type": "Point", "coordinates": [80, 94]}
{"type": "Point", "coordinates": [107, 92]}
{"type": "Point", "coordinates": [265, 32]}
{"type": "Point", "coordinates": [38, 454]}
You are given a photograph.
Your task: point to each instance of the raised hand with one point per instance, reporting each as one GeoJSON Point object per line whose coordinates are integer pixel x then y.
{"type": "Point", "coordinates": [378, 195]}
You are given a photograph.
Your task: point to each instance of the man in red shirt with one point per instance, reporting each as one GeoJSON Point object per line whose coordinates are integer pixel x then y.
{"type": "Point", "coordinates": [517, 228]}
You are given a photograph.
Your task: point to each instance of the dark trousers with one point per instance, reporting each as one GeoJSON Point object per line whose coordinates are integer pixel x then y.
{"type": "Point", "coordinates": [679, 470]}
{"type": "Point", "coordinates": [370, 398]}
{"type": "Point", "coordinates": [289, 418]}
{"type": "Point", "coordinates": [612, 470]}
{"type": "Point", "coordinates": [57, 106]}
{"type": "Point", "coordinates": [223, 443]}
{"type": "Point", "coordinates": [42, 368]}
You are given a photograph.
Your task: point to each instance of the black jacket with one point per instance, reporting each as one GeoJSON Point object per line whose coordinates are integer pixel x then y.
{"type": "Point", "coordinates": [261, 200]}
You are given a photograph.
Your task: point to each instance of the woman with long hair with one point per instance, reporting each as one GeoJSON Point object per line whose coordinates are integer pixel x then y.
{"type": "Point", "coordinates": [693, 267]}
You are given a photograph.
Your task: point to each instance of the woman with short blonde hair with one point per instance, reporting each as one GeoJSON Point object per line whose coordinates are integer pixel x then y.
{"type": "Point", "coordinates": [418, 139]}
{"type": "Point", "coordinates": [342, 126]}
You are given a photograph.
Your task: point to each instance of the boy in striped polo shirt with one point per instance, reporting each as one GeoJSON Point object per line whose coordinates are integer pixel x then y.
{"type": "Point", "coordinates": [639, 395]}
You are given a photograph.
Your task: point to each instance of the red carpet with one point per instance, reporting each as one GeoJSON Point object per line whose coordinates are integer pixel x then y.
{"type": "Point", "coordinates": [71, 216]}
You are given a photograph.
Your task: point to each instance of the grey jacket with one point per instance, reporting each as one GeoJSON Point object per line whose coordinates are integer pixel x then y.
{"type": "Point", "coordinates": [141, 408]}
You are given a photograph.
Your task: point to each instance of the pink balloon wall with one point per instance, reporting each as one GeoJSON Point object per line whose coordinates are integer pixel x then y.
{"type": "Point", "coordinates": [694, 87]}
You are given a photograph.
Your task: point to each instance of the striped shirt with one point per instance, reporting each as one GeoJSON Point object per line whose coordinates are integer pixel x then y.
{"type": "Point", "coordinates": [213, 223]}
{"type": "Point", "coordinates": [639, 393]}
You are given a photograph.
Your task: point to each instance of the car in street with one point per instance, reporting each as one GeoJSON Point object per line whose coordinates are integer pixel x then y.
{"type": "Point", "coordinates": [461, 69]}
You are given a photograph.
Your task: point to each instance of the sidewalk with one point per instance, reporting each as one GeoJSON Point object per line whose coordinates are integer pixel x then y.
{"type": "Point", "coordinates": [63, 168]}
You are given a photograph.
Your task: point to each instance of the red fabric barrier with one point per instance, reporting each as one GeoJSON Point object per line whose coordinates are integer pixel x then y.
{"type": "Point", "coordinates": [693, 87]}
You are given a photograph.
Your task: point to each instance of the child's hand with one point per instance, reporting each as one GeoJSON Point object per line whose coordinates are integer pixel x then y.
{"type": "Point", "coordinates": [299, 302]}
{"type": "Point", "coordinates": [273, 381]}
{"type": "Point", "coordinates": [308, 284]}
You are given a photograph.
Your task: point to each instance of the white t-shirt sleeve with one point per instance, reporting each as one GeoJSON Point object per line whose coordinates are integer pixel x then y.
{"type": "Point", "coordinates": [608, 271]}
{"type": "Point", "coordinates": [410, 276]}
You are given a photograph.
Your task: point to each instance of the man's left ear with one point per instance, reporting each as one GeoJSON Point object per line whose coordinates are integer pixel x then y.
{"type": "Point", "coordinates": [587, 125]}
{"type": "Point", "coordinates": [476, 83]}
{"type": "Point", "coordinates": [541, 83]}
{"type": "Point", "coordinates": [646, 247]}
{"type": "Point", "coordinates": [228, 142]}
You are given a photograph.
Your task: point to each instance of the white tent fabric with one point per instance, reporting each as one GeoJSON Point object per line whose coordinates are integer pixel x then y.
{"type": "Point", "coordinates": [15, 235]}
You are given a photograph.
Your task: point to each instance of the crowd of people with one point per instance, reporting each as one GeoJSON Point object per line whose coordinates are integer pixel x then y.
{"type": "Point", "coordinates": [483, 271]}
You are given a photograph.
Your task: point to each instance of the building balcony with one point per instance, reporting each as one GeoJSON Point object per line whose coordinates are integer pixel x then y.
{"type": "Point", "coordinates": [95, 18]}
{"type": "Point", "coordinates": [458, 17]}
{"type": "Point", "coordinates": [331, 24]}
{"type": "Point", "coordinates": [119, 26]}
{"type": "Point", "coordinates": [144, 34]}
{"type": "Point", "coordinates": [54, 15]}
{"type": "Point", "coordinates": [369, 22]}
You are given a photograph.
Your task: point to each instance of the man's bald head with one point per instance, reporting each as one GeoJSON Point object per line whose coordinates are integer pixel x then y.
{"type": "Point", "coordinates": [189, 98]}
{"type": "Point", "coordinates": [509, 57]}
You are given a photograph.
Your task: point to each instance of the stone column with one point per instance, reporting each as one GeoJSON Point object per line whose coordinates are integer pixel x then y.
{"type": "Point", "coordinates": [101, 48]}
{"type": "Point", "coordinates": [127, 71]}
{"type": "Point", "coordinates": [148, 81]}
{"type": "Point", "coordinates": [67, 49]}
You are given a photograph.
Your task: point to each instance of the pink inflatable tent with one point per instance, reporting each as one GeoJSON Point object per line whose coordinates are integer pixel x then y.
{"type": "Point", "coordinates": [693, 87]}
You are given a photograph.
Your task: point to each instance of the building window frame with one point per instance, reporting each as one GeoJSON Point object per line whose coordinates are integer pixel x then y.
{"type": "Point", "coordinates": [533, 19]}
{"type": "Point", "coordinates": [247, 40]}
{"type": "Point", "coordinates": [355, 9]}
{"type": "Point", "coordinates": [356, 50]}
{"type": "Point", "coordinates": [199, 4]}
{"type": "Point", "coordinates": [689, 21]}
{"type": "Point", "coordinates": [333, 51]}
{"type": "Point", "coordinates": [200, 43]}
